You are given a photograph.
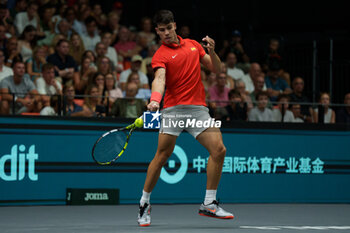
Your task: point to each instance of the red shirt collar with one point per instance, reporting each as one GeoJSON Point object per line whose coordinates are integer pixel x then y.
{"type": "Point", "coordinates": [174, 45]}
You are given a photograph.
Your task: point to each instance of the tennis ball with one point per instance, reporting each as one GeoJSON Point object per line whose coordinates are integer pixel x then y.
{"type": "Point", "coordinates": [139, 122]}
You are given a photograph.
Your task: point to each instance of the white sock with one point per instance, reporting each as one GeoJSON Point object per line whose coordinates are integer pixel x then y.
{"type": "Point", "coordinates": [145, 197]}
{"type": "Point", "coordinates": [210, 196]}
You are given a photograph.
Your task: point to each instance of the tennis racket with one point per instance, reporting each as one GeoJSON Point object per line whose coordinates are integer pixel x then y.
{"type": "Point", "coordinates": [112, 144]}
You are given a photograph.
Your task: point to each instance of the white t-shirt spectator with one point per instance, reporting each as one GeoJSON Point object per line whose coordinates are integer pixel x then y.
{"type": "Point", "coordinates": [45, 89]}
{"type": "Point", "coordinates": [236, 73]}
{"type": "Point", "coordinates": [6, 71]}
{"type": "Point", "coordinates": [277, 116]}
{"type": "Point", "coordinates": [22, 20]}
{"type": "Point", "coordinates": [257, 115]}
{"type": "Point", "coordinates": [90, 42]}
{"type": "Point", "coordinates": [48, 111]}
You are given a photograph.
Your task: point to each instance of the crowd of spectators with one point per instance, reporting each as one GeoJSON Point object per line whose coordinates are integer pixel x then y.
{"type": "Point", "coordinates": [73, 49]}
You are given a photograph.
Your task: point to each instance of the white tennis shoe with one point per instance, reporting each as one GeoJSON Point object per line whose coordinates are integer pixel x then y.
{"type": "Point", "coordinates": [144, 216]}
{"type": "Point", "coordinates": [214, 210]}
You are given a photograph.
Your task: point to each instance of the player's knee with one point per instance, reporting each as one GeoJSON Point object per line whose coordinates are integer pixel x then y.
{"type": "Point", "coordinates": [162, 158]}
{"type": "Point", "coordinates": [219, 153]}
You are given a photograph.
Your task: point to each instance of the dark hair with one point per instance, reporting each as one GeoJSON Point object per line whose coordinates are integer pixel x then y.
{"type": "Point", "coordinates": [15, 61]}
{"type": "Point", "coordinates": [234, 92]}
{"type": "Point", "coordinates": [163, 17]}
{"type": "Point", "coordinates": [47, 66]}
{"type": "Point", "coordinates": [281, 96]}
{"type": "Point", "coordinates": [261, 93]}
{"type": "Point", "coordinates": [89, 20]}
{"type": "Point", "coordinates": [32, 3]}
{"type": "Point", "coordinates": [68, 10]}
{"type": "Point", "coordinates": [28, 28]}
{"type": "Point", "coordinates": [61, 41]}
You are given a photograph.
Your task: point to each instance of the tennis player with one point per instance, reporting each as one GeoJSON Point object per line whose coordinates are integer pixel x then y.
{"type": "Point", "coordinates": [177, 65]}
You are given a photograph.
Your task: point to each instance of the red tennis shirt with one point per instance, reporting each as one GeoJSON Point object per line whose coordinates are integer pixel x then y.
{"type": "Point", "coordinates": [183, 72]}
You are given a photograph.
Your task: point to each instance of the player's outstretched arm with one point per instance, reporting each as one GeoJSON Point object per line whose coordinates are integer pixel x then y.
{"type": "Point", "coordinates": [158, 86]}
{"type": "Point", "coordinates": [211, 61]}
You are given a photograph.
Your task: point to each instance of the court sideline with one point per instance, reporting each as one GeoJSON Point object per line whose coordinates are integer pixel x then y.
{"type": "Point", "coordinates": [249, 218]}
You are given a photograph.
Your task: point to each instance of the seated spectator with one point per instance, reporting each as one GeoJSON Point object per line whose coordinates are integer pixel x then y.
{"type": "Point", "coordinates": [113, 25]}
{"type": "Point", "coordinates": [235, 45]}
{"type": "Point", "coordinates": [230, 82]}
{"type": "Point", "coordinates": [146, 31]}
{"type": "Point", "coordinates": [104, 66]}
{"type": "Point", "coordinates": [218, 96]}
{"type": "Point", "coordinates": [329, 114]}
{"type": "Point", "coordinates": [91, 38]}
{"type": "Point", "coordinates": [106, 39]}
{"type": "Point", "coordinates": [28, 17]}
{"type": "Point", "coordinates": [343, 115]}
{"type": "Point", "coordinates": [208, 80]}
{"type": "Point", "coordinates": [92, 103]}
{"type": "Point", "coordinates": [19, 89]}
{"type": "Point", "coordinates": [46, 14]}
{"type": "Point", "coordinates": [111, 90]}
{"type": "Point", "coordinates": [272, 55]}
{"type": "Point", "coordinates": [250, 77]}
{"type": "Point", "coordinates": [98, 14]}
{"type": "Point", "coordinates": [65, 66]}
{"type": "Point", "coordinates": [71, 17]}
{"type": "Point", "coordinates": [60, 11]}
{"type": "Point", "coordinates": [11, 53]}
{"type": "Point", "coordinates": [126, 48]}
{"type": "Point", "coordinates": [53, 108]}
{"type": "Point", "coordinates": [20, 6]}
{"type": "Point", "coordinates": [90, 54]}
{"type": "Point", "coordinates": [6, 24]}
{"type": "Point", "coordinates": [47, 85]}
{"type": "Point", "coordinates": [26, 42]}
{"type": "Point", "coordinates": [135, 67]}
{"type": "Point", "coordinates": [4, 70]}
{"type": "Point", "coordinates": [147, 60]}
{"type": "Point", "coordinates": [76, 48]}
{"type": "Point", "coordinates": [281, 113]}
{"type": "Point", "coordinates": [298, 96]}
{"type": "Point", "coordinates": [276, 85]}
{"type": "Point", "coordinates": [52, 43]}
{"type": "Point", "coordinates": [240, 87]}
{"type": "Point", "coordinates": [100, 50]}
{"type": "Point", "coordinates": [129, 107]}
{"type": "Point", "coordinates": [86, 70]}
{"type": "Point", "coordinates": [259, 83]}
{"type": "Point", "coordinates": [98, 80]}
{"type": "Point", "coordinates": [261, 112]}
{"type": "Point", "coordinates": [237, 109]}
{"type": "Point", "coordinates": [232, 70]}
{"type": "Point", "coordinates": [35, 64]}
{"type": "Point", "coordinates": [64, 28]}
{"type": "Point", "coordinates": [142, 93]}
{"type": "Point", "coordinates": [297, 116]}
{"type": "Point", "coordinates": [141, 41]}
{"type": "Point", "coordinates": [72, 109]}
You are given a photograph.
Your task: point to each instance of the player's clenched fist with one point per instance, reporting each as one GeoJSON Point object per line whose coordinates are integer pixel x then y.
{"type": "Point", "coordinates": [153, 106]}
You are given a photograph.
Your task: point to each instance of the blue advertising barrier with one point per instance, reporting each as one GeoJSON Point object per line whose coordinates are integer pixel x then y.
{"type": "Point", "coordinates": [41, 157]}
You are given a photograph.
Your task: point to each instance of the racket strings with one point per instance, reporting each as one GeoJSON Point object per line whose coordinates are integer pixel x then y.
{"type": "Point", "coordinates": [109, 146]}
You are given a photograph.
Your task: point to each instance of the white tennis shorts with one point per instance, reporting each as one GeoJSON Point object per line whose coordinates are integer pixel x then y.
{"type": "Point", "coordinates": [192, 118]}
